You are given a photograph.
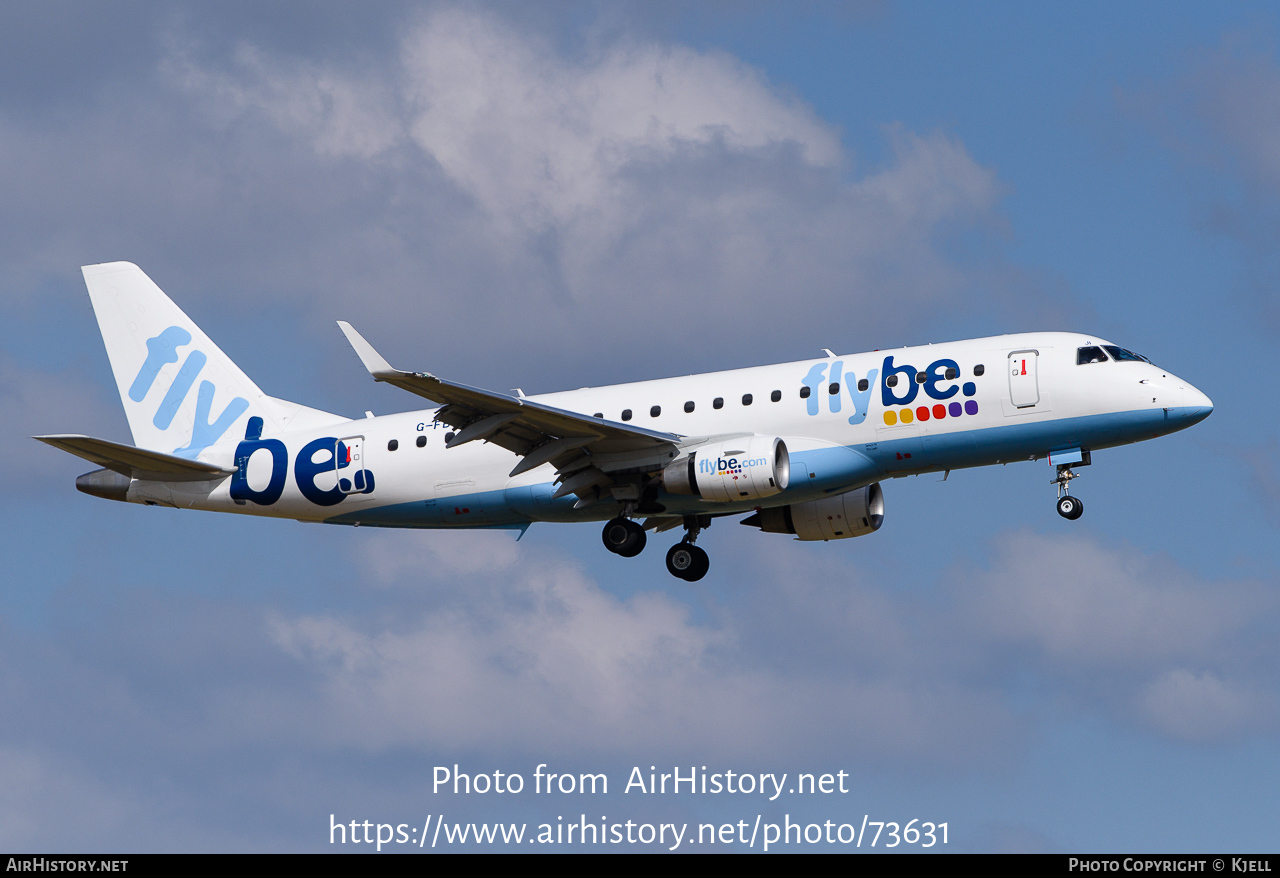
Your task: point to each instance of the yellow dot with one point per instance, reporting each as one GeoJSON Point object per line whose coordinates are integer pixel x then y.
{"type": "Point", "coordinates": [907, 416]}
{"type": "Point", "coordinates": [890, 418]}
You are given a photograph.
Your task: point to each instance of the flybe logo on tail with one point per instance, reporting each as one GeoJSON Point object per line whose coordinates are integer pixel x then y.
{"type": "Point", "coordinates": [326, 456]}
{"type": "Point", "coordinates": [162, 349]}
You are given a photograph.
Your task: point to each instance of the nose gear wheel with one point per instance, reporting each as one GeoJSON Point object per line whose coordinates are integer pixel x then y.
{"type": "Point", "coordinates": [1069, 507]}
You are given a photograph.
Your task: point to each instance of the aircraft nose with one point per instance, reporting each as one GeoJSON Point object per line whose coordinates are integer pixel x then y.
{"type": "Point", "coordinates": [1196, 403]}
{"type": "Point", "coordinates": [1197, 399]}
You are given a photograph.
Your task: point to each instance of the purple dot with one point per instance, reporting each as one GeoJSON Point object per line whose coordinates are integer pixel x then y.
{"type": "Point", "coordinates": [971, 407]}
{"type": "Point", "coordinates": [954, 409]}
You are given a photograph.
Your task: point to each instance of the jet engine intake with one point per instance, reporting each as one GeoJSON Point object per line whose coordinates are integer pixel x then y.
{"type": "Point", "coordinates": [851, 514]}
{"type": "Point", "coordinates": [741, 468]}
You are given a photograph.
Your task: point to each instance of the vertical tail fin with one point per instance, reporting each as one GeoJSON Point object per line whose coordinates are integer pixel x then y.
{"type": "Point", "coordinates": [181, 393]}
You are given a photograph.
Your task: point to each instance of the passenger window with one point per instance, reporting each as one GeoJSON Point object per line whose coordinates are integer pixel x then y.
{"type": "Point", "coordinates": [1090, 354]}
{"type": "Point", "coordinates": [718, 402]}
{"type": "Point", "coordinates": [863, 384]}
{"type": "Point", "coordinates": [688, 406]}
{"type": "Point", "coordinates": [775, 396]}
{"type": "Point", "coordinates": [921, 378]}
{"type": "Point", "coordinates": [422, 442]}
{"type": "Point", "coordinates": [393, 445]}
{"type": "Point", "coordinates": [448, 437]}
{"type": "Point", "coordinates": [804, 392]}
{"type": "Point", "coordinates": [951, 374]}
{"type": "Point", "coordinates": [746, 399]}
{"type": "Point", "coordinates": [626, 414]}
{"type": "Point", "coordinates": [654, 411]}
{"type": "Point", "coordinates": [834, 388]}
{"type": "Point", "coordinates": [978, 370]}
{"type": "Point", "coordinates": [598, 415]}
{"type": "Point", "coordinates": [891, 381]}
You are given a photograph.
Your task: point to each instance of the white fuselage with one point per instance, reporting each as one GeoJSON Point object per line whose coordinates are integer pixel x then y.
{"type": "Point", "coordinates": [1032, 398]}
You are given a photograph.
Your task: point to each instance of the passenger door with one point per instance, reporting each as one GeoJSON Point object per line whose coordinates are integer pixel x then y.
{"type": "Point", "coordinates": [1024, 387]}
{"type": "Point", "coordinates": [349, 461]}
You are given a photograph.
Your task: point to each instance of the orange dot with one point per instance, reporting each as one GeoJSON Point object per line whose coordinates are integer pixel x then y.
{"type": "Point", "coordinates": [939, 411]}
{"type": "Point", "coordinates": [923, 413]}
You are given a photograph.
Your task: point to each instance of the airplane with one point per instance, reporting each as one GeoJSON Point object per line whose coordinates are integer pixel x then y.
{"type": "Point", "coordinates": [799, 448]}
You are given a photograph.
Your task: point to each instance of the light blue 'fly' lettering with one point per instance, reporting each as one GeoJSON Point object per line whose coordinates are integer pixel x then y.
{"type": "Point", "coordinates": [204, 433]}
{"type": "Point", "coordinates": [161, 349]}
{"type": "Point", "coordinates": [178, 390]}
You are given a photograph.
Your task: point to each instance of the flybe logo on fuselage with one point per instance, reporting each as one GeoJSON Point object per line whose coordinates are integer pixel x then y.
{"type": "Point", "coordinates": [818, 384]}
{"type": "Point", "coordinates": [937, 382]}
{"type": "Point", "coordinates": [900, 385]}
{"type": "Point", "coordinates": [162, 349]}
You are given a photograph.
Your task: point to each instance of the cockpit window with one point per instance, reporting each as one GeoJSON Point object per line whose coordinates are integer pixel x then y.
{"type": "Point", "coordinates": [1091, 354]}
{"type": "Point", "coordinates": [1120, 355]}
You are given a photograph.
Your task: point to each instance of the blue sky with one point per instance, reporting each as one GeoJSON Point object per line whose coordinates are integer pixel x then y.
{"type": "Point", "coordinates": [513, 195]}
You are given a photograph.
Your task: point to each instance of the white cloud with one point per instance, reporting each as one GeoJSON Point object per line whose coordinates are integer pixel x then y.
{"type": "Point", "coordinates": [543, 140]}
{"type": "Point", "coordinates": [36, 402]}
{"type": "Point", "coordinates": [811, 654]}
{"type": "Point", "coordinates": [42, 801]}
{"type": "Point", "coordinates": [341, 114]}
{"type": "Point", "coordinates": [525, 659]}
{"type": "Point", "coordinates": [1084, 605]}
{"type": "Point", "coordinates": [390, 556]}
{"type": "Point", "coordinates": [578, 199]}
{"type": "Point", "coordinates": [1203, 707]}
{"type": "Point", "coordinates": [540, 658]}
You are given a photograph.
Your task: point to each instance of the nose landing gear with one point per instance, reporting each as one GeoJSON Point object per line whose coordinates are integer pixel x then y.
{"type": "Point", "coordinates": [1069, 507]}
{"type": "Point", "coordinates": [685, 560]}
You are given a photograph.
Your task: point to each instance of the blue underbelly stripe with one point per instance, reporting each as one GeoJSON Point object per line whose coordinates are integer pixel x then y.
{"type": "Point", "coordinates": [838, 468]}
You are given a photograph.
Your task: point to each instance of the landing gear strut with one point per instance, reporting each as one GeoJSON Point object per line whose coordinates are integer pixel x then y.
{"type": "Point", "coordinates": [1069, 507]}
{"type": "Point", "coordinates": [685, 560]}
{"type": "Point", "coordinates": [624, 537]}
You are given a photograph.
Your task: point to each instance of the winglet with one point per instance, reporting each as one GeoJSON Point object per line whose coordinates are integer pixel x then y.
{"type": "Point", "coordinates": [373, 361]}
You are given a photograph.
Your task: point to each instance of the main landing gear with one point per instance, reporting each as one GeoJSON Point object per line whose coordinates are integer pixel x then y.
{"type": "Point", "coordinates": [624, 537]}
{"type": "Point", "coordinates": [685, 560]}
{"type": "Point", "coordinates": [1069, 507]}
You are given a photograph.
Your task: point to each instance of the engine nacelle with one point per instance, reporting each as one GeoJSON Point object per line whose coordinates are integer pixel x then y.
{"type": "Point", "coordinates": [742, 468]}
{"type": "Point", "coordinates": [852, 514]}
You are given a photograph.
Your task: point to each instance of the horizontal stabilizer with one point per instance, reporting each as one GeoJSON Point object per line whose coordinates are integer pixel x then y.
{"type": "Point", "coordinates": [138, 463]}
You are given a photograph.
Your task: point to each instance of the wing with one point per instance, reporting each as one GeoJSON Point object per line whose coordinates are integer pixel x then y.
{"type": "Point", "coordinates": [589, 454]}
{"type": "Point", "coordinates": [138, 463]}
